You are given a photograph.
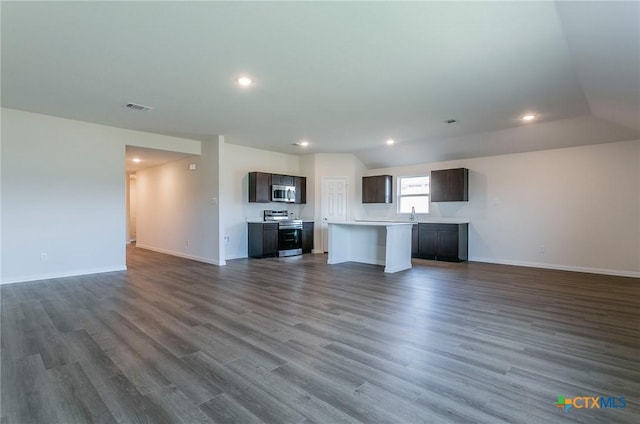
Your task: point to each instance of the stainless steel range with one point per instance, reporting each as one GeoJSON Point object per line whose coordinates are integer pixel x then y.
{"type": "Point", "coordinates": [289, 232]}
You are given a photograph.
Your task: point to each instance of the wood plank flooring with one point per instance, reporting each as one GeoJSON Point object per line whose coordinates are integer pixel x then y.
{"type": "Point", "coordinates": [294, 340]}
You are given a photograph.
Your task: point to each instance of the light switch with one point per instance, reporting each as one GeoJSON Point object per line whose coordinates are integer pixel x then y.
{"type": "Point", "coordinates": [192, 167]}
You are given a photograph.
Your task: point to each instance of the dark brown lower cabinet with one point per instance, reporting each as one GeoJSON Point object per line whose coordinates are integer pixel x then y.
{"type": "Point", "coordinates": [442, 242]}
{"type": "Point", "coordinates": [415, 246]}
{"type": "Point", "coordinates": [427, 241]}
{"type": "Point", "coordinates": [307, 237]}
{"type": "Point", "coordinates": [263, 239]}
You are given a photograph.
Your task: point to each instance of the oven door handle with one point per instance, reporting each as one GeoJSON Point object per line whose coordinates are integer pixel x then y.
{"type": "Point", "coordinates": [290, 227]}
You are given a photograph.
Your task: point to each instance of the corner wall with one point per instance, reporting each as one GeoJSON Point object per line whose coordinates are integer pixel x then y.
{"type": "Point", "coordinates": [337, 165]}
{"type": "Point", "coordinates": [237, 163]}
{"type": "Point", "coordinates": [178, 208]}
{"type": "Point", "coordinates": [575, 208]}
{"type": "Point", "coordinates": [63, 194]}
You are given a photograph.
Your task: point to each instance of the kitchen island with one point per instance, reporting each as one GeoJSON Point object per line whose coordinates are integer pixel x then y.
{"type": "Point", "coordinates": [437, 238]}
{"type": "Point", "coordinates": [378, 243]}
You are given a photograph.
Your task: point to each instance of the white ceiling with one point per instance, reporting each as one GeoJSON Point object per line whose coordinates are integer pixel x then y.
{"type": "Point", "coordinates": [345, 76]}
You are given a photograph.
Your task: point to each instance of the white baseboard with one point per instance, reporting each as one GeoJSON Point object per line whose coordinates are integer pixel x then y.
{"type": "Point", "coordinates": [317, 251]}
{"type": "Point", "coordinates": [181, 255]}
{"type": "Point", "coordinates": [604, 271]}
{"type": "Point", "coordinates": [73, 273]}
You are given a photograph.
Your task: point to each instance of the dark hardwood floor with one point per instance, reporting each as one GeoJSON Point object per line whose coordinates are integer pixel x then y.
{"type": "Point", "coordinates": [294, 340]}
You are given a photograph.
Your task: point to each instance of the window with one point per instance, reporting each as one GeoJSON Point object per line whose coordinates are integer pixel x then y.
{"type": "Point", "coordinates": [413, 192]}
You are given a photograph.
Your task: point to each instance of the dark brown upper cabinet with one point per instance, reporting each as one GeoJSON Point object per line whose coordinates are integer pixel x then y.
{"type": "Point", "coordinates": [450, 185]}
{"type": "Point", "coordinates": [377, 189]}
{"type": "Point", "coordinates": [301, 189]}
{"type": "Point", "coordinates": [259, 187]}
{"type": "Point", "coordinates": [286, 180]}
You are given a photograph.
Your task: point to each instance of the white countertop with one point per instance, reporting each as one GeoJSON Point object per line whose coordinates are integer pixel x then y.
{"type": "Point", "coordinates": [438, 220]}
{"type": "Point", "coordinates": [383, 221]}
{"type": "Point", "coordinates": [262, 221]}
{"type": "Point", "coordinates": [372, 223]}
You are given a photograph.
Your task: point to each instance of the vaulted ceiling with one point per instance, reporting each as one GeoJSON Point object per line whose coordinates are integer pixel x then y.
{"type": "Point", "coordinates": [346, 76]}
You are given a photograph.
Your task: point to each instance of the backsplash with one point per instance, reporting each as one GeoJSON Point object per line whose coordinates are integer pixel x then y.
{"type": "Point", "coordinates": [254, 211]}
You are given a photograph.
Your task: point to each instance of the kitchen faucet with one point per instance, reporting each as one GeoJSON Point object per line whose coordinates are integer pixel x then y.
{"type": "Point", "coordinates": [413, 213]}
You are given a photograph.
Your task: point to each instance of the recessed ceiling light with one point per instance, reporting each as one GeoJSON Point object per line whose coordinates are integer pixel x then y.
{"type": "Point", "coordinates": [390, 141]}
{"type": "Point", "coordinates": [528, 118]}
{"type": "Point", "coordinates": [244, 81]}
{"type": "Point", "coordinates": [303, 143]}
{"type": "Point", "coordinates": [137, 160]}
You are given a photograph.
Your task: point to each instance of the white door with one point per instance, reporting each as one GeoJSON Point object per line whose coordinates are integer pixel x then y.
{"type": "Point", "coordinates": [333, 205]}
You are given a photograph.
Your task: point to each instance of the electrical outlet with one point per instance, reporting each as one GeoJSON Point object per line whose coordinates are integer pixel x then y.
{"type": "Point", "coordinates": [186, 243]}
{"type": "Point", "coordinates": [44, 257]}
{"type": "Point", "coordinates": [542, 249]}
{"type": "Point", "coordinates": [227, 239]}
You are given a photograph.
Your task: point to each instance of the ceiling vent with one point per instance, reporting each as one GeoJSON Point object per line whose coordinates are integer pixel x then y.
{"type": "Point", "coordinates": [140, 108]}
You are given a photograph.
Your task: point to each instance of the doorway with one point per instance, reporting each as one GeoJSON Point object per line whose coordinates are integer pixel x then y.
{"type": "Point", "coordinates": [333, 205]}
{"type": "Point", "coordinates": [132, 215]}
{"type": "Point", "coordinates": [144, 189]}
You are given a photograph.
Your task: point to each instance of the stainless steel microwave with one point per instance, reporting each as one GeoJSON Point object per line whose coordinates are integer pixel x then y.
{"type": "Point", "coordinates": [282, 193]}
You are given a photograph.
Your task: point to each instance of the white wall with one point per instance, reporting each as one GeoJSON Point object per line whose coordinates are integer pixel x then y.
{"type": "Point", "coordinates": [336, 165]}
{"type": "Point", "coordinates": [178, 208]}
{"type": "Point", "coordinates": [214, 152]}
{"type": "Point", "coordinates": [308, 169]}
{"type": "Point", "coordinates": [581, 203]}
{"type": "Point", "coordinates": [63, 194]}
{"type": "Point", "coordinates": [57, 200]}
{"type": "Point", "coordinates": [238, 162]}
